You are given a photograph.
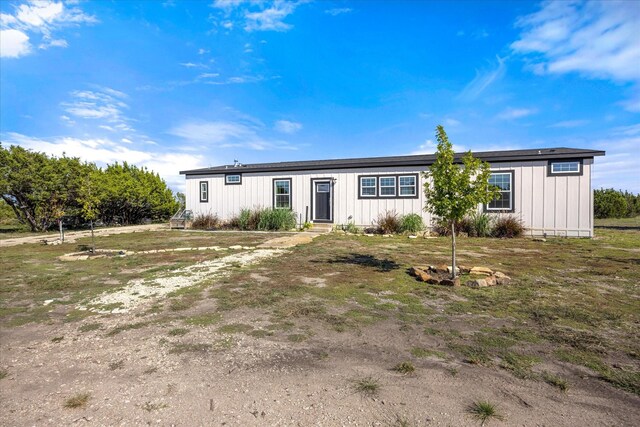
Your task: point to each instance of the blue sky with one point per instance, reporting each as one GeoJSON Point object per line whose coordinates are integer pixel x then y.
{"type": "Point", "coordinates": [177, 85]}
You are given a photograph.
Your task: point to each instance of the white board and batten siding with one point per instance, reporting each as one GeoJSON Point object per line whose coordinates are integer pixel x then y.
{"type": "Point", "coordinates": [547, 205]}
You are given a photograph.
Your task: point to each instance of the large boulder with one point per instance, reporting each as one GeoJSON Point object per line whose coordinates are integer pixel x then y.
{"type": "Point", "coordinates": [481, 270]}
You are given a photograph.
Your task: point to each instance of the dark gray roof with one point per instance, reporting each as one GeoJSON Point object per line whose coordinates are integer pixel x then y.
{"type": "Point", "coordinates": [414, 160]}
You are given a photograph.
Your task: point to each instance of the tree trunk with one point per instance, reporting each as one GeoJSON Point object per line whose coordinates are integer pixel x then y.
{"type": "Point", "coordinates": [453, 249]}
{"type": "Point", "coordinates": [93, 240]}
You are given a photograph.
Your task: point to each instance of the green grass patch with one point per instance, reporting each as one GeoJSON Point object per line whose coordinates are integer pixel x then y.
{"type": "Point", "coordinates": [177, 332]}
{"type": "Point", "coordinates": [367, 386]}
{"type": "Point", "coordinates": [235, 328]}
{"type": "Point", "coordinates": [404, 368]}
{"type": "Point", "coordinates": [88, 327]}
{"type": "Point", "coordinates": [421, 352]}
{"type": "Point", "coordinates": [555, 381]}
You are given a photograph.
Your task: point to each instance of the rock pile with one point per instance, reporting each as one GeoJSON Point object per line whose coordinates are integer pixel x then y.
{"type": "Point", "coordinates": [441, 275]}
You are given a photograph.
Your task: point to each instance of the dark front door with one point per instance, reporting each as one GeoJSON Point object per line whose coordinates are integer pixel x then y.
{"type": "Point", "coordinates": [322, 201]}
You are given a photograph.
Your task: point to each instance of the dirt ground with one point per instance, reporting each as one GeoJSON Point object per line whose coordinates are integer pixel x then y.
{"type": "Point", "coordinates": [211, 364]}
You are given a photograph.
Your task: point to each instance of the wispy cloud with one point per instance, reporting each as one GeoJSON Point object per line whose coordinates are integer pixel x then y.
{"type": "Point", "coordinates": [569, 124]}
{"type": "Point", "coordinates": [228, 134]}
{"type": "Point", "coordinates": [194, 65]}
{"type": "Point", "coordinates": [107, 104]}
{"type": "Point", "coordinates": [595, 39]}
{"type": "Point", "coordinates": [338, 11]}
{"type": "Point", "coordinates": [516, 113]}
{"type": "Point", "coordinates": [255, 15]}
{"type": "Point", "coordinates": [288, 127]}
{"type": "Point", "coordinates": [40, 20]}
{"type": "Point", "coordinates": [483, 80]}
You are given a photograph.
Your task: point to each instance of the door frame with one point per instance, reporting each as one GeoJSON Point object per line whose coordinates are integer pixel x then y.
{"type": "Point", "coordinates": [313, 198]}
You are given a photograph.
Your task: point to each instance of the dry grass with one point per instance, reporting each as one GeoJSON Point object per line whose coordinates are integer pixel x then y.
{"type": "Point", "coordinates": [77, 401]}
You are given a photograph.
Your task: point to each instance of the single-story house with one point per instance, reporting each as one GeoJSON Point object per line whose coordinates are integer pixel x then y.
{"type": "Point", "coordinates": [549, 189]}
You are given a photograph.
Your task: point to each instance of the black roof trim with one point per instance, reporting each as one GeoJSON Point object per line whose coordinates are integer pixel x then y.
{"type": "Point", "coordinates": [414, 160]}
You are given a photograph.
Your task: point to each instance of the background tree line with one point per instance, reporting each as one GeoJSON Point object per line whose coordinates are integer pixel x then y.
{"type": "Point", "coordinates": [41, 189]}
{"type": "Point", "coordinates": [610, 203]}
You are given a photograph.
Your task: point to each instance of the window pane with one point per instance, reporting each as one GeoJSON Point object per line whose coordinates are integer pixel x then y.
{"type": "Point", "coordinates": [368, 191]}
{"type": "Point", "coordinates": [283, 202]}
{"type": "Point", "coordinates": [322, 188]}
{"type": "Point", "coordinates": [501, 180]}
{"type": "Point", "coordinates": [387, 191]}
{"type": "Point", "coordinates": [407, 180]}
{"type": "Point", "coordinates": [407, 191]}
{"type": "Point", "coordinates": [368, 182]}
{"type": "Point", "coordinates": [560, 167]}
{"type": "Point", "coordinates": [233, 178]}
{"type": "Point", "coordinates": [282, 187]}
{"type": "Point", "coordinates": [387, 182]}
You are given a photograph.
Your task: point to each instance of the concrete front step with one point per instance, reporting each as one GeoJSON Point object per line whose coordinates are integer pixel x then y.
{"type": "Point", "coordinates": [321, 228]}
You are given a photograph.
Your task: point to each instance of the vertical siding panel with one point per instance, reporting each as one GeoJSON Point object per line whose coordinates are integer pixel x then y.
{"type": "Point", "coordinates": [560, 211]}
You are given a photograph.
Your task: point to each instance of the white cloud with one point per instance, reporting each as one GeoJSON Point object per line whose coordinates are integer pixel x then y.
{"type": "Point", "coordinates": [516, 113]}
{"type": "Point", "coordinates": [105, 103]}
{"type": "Point", "coordinates": [630, 130]}
{"type": "Point", "coordinates": [228, 134]}
{"type": "Point", "coordinates": [429, 147]}
{"type": "Point", "coordinates": [285, 126]}
{"type": "Point", "coordinates": [14, 44]}
{"type": "Point", "coordinates": [255, 15]}
{"type": "Point", "coordinates": [39, 18]}
{"type": "Point", "coordinates": [483, 80]}
{"type": "Point", "coordinates": [193, 65]}
{"type": "Point", "coordinates": [569, 124]}
{"type": "Point", "coordinates": [270, 19]}
{"type": "Point", "coordinates": [451, 122]}
{"type": "Point", "coordinates": [597, 40]}
{"type": "Point", "coordinates": [103, 151]}
{"type": "Point", "coordinates": [338, 11]}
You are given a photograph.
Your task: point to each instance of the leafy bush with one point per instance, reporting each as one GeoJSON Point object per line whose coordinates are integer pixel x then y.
{"type": "Point", "coordinates": [351, 227]}
{"type": "Point", "coordinates": [478, 225]}
{"type": "Point", "coordinates": [388, 222]}
{"type": "Point", "coordinates": [508, 227]}
{"type": "Point", "coordinates": [206, 222]}
{"type": "Point", "coordinates": [411, 223]}
{"type": "Point", "coordinates": [276, 219]}
{"type": "Point", "coordinates": [249, 219]}
{"type": "Point", "coordinates": [610, 203]}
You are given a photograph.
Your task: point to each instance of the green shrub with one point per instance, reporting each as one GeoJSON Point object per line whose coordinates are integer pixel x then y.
{"type": "Point", "coordinates": [276, 219]}
{"type": "Point", "coordinates": [206, 222]}
{"type": "Point", "coordinates": [508, 227]}
{"type": "Point", "coordinates": [388, 222]}
{"type": "Point", "coordinates": [249, 219]}
{"type": "Point", "coordinates": [351, 227]}
{"type": "Point", "coordinates": [610, 203]}
{"type": "Point", "coordinates": [478, 225]}
{"type": "Point", "coordinates": [411, 223]}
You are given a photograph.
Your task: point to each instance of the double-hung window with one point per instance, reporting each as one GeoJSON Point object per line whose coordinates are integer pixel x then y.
{"type": "Point", "coordinates": [504, 201]}
{"type": "Point", "coordinates": [282, 193]}
{"type": "Point", "coordinates": [368, 186]}
{"type": "Point", "coordinates": [204, 191]}
{"type": "Point", "coordinates": [407, 185]}
{"type": "Point", "coordinates": [387, 186]}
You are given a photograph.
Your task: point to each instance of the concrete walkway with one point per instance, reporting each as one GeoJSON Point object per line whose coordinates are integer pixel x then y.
{"type": "Point", "coordinates": [71, 236]}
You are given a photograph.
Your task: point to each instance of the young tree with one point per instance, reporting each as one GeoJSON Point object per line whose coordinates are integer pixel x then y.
{"type": "Point", "coordinates": [453, 191]}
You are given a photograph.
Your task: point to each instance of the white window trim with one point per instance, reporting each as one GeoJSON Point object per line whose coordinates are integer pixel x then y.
{"type": "Point", "coordinates": [554, 172]}
{"type": "Point", "coordinates": [414, 186]}
{"type": "Point", "coordinates": [227, 181]}
{"type": "Point", "coordinates": [204, 189]}
{"type": "Point", "coordinates": [395, 186]}
{"type": "Point", "coordinates": [375, 187]}
{"type": "Point", "coordinates": [510, 208]}
{"type": "Point", "coordinates": [275, 193]}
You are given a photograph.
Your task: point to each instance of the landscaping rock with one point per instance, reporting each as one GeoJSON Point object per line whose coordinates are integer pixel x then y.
{"type": "Point", "coordinates": [501, 278]}
{"type": "Point", "coordinates": [539, 239]}
{"type": "Point", "coordinates": [481, 270]}
{"type": "Point", "coordinates": [420, 274]}
{"type": "Point", "coordinates": [442, 269]}
{"type": "Point", "coordinates": [450, 269]}
{"type": "Point", "coordinates": [413, 237]}
{"type": "Point", "coordinates": [463, 269]}
{"type": "Point", "coordinates": [490, 280]}
{"type": "Point", "coordinates": [478, 283]}
{"type": "Point", "coordinates": [450, 282]}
